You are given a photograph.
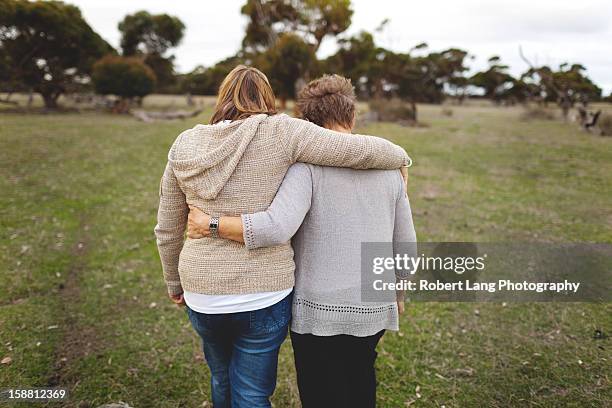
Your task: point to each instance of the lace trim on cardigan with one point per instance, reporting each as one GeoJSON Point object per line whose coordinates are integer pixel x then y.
{"type": "Point", "coordinates": [248, 235]}
{"type": "Point", "coordinates": [307, 309]}
{"type": "Point", "coordinates": [344, 308]}
{"type": "Point", "coordinates": [332, 319]}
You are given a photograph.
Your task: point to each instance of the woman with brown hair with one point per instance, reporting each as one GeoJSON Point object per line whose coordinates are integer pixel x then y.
{"type": "Point", "coordinates": [239, 300]}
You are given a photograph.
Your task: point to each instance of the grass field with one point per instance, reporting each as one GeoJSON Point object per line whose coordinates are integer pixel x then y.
{"type": "Point", "coordinates": [83, 302]}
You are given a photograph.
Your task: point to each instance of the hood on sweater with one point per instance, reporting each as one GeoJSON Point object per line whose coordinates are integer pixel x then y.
{"type": "Point", "coordinates": [204, 158]}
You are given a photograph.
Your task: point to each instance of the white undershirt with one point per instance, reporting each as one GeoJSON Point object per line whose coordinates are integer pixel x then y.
{"type": "Point", "coordinates": [217, 304]}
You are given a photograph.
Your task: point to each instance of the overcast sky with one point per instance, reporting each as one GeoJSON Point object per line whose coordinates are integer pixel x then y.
{"type": "Point", "coordinates": [550, 31]}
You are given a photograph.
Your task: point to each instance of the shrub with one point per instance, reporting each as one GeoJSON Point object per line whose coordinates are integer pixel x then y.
{"type": "Point", "coordinates": [127, 77]}
{"type": "Point", "coordinates": [537, 113]}
{"type": "Point", "coordinates": [605, 125]}
{"type": "Point", "coordinates": [447, 112]}
{"type": "Point", "coordinates": [393, 110]}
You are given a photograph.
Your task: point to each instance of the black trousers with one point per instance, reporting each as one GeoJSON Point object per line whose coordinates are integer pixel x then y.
{"type": "Point", "coordinates": [336, 371]}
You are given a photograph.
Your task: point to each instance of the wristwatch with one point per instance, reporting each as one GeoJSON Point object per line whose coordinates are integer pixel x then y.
{"type": "Point", "coordinates": [213, 227]}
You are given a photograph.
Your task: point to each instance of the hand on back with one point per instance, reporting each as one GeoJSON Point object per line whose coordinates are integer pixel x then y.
{"type": "Point", "coordinates": [197, 223]}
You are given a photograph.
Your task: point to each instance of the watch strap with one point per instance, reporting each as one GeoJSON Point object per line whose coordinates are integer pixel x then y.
{"type": "Point", "coordinates": [213, 227]}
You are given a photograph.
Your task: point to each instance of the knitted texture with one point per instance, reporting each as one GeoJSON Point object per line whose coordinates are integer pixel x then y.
{"type": "Point", "coordinates": [329, 213]}
{"type": "Point", "coordinates": [325, 319]}
{"type": "Point", "coordinates": [236, 168]}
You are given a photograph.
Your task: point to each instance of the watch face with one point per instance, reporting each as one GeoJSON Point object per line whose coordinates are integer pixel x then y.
{"type": "Point", "coordinates": [214, 223]}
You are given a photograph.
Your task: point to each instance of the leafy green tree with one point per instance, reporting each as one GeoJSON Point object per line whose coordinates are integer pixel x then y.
{"type": "Point", "coordinates": [566, 86]}
{"type": "Point", "coordinates": [145, 33]}
{"type": "Point", "coordinates": [290, 60]}
{"type": "Point", "coordinates": [164, 70]}
{"type": "Point", "coordinates": [411, 79]}
{"type": "Point", "coordinates": [495, 81]}
{"type": "Point", "coordinates": [359, 59]}
{"type": "Point", "coordinates": [48, 46]}
{"type": "Point", "coordinates": [218, 72]}
{"type": "Point", "coordinates": [426, 78]}
{"type": "Point", "coordinates": [127, 77]}
{"type": "Point", "coordinates": [206, 81]}
{"type": "Point", "coordinates": [458, 87]}
{"type": "Point", "coordinates": [571, 81]}
{"type": "Point", "coordinates": [196, 82]}
{"type": "Point", "coordinates": [519, 91]}
{"type": "Point", "coordinates": [151, 36]}
{"type": "Point", "coordinates": [447, 70]}
{"type": "Point", "coordinates": [313, 20]}
{"type": "Point", "coordinates": [378, 72]}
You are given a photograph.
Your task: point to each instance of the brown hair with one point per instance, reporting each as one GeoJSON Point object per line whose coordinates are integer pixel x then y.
{"type": "Point", "coordinates": [245, 91]}
{"type": "Point", "coordinates": [327, 101]}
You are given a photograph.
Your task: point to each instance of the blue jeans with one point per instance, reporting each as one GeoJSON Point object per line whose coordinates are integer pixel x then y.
{"type": "Point", "coordinates": [241, 350]}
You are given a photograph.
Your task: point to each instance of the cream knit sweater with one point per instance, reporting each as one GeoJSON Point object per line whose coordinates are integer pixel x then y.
{"type": "Point", "coordinates": [236, 168]}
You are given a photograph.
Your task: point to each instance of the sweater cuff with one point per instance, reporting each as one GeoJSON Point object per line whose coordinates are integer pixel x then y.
{"type": "Point", "coordinates": [407, 160]}
{"type": "Point", "coordinates": [247, 231]}
{"type": "Point", "coordinates": [174, 288]}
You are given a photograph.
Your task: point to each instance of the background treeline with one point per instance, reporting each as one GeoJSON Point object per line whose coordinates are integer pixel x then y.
{"type": "Point", "coordinates": [48, 48]}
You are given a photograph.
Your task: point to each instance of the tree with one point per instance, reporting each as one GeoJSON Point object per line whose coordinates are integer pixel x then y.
{"type": "Point", "coordinates": [127, 77]}
{"type": "Point", "coordinates": [145, 33]}
{"type": "Point", "coordinates": [571, 80]}
{"type": "Point", "coordinates": [377, 72]}
{"type": "Point", "coordinates": [410, 78]}
{"type": "Point", "coordinates": [567, 86]}
{"type": "Point", "coordinates": [151, 36]}
{"type": "Point", "coordinates": [312, 20]}
{"type": "Point", "coordinates": [164, 70]}
{"type": "Point", "coordinates": [380, 73]}
{"type": "Point", "coordinates": [495, 81]}
{"type": "Point", "coordinates": [426, 78]}
{"type": "Point", "coordinates": [288, 61]}
{"type": "Point", "coordinates": [448, 69]}
{"type": "Point", "coordinates": [359, 59]}
{"type": "Point", "coordinates": [196, 82]}
{"type": "Point", "coordinates": [206, 81]}
{"type": "Point", "coordinates": [48, 46]}
{"type": "Point", "coordinates": [519, 91]}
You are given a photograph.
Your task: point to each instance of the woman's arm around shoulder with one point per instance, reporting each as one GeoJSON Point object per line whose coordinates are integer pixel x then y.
{"type": "Point", "coordinates": [306, 142]}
